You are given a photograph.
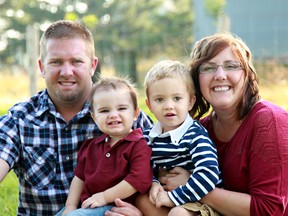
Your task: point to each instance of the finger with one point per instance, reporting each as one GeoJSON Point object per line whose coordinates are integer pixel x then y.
{"type": "Point", "coordinates": [109, 213]}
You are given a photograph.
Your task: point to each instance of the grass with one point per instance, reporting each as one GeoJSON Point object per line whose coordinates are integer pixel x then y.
{"type": "Point", "coordinates": [14, 88]}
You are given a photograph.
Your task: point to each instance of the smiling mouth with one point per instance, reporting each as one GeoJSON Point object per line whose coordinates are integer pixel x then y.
{"type": "Point", "coordinates": [221, 88]}
{"type": "Point", "coordinates": [67, 83]}
{"type": "Point", "coordinates": [114, 123]}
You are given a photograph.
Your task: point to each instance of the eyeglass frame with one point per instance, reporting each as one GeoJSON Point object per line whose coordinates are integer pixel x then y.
{"type": "Point", "coordinates": [224, 67]}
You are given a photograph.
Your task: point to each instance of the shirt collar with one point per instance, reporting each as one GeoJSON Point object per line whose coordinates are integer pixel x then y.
{"type": "Point", "coordinates": [45, 103]}
{"type": "Point", "coordinates": [175, 134]}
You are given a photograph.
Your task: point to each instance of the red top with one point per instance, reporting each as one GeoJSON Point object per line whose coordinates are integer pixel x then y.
{"type": "Point", "coordinates": [101, 166]}
{"type": "Point", "coordinates": [255, 160]}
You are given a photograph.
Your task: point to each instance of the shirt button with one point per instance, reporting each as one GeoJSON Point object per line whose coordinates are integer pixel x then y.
{"type": "Point", "coordinates": [67, 158]}
{"type": "Point", "coordinates": [108, 155]}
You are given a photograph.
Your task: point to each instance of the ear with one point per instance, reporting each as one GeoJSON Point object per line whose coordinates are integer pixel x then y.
{"type": "Point", "coordinates": [192, 102]}
{"type": "Point", "coordinates": [136, 113]}
{"type": "Point", "coordinates": [93, 117]}
{"type": "Point", "coordinates": [94, 66]}
{"type": "Point", "coordinates": [40, 63]}
{"type": "Point", "coordinates": [148, 104]}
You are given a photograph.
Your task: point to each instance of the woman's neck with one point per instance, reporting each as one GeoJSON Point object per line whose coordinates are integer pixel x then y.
{"type": "Point", "coordinates": [225, 125]}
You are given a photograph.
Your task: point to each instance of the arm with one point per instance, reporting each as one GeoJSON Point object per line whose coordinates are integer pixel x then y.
{"type": "Point", "coordinates": [176, 177]}
{"type": "Point", "coordinates": [4, 169]}
{"type": "Point", "coordinates": [122, 190]}
{"type": "Point", "coordinates": [228, 202]}
{"type": "Point", "coordinates": [204, 163]}
{"type": "Point", "coordinates": [73, 199]}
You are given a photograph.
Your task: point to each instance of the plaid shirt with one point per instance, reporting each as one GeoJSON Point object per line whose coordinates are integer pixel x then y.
{"type": "Point", "coordinates": [42, 149]}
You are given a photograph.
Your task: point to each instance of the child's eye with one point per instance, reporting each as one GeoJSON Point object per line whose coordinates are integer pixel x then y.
{"type": "Point", "coordinates": [123, 108]}
{"type": "Point", "coordinates": [159, 100]}
{"type": "Point", "coordinates": [177, 98]}
{"type": "Point", "coordinates": [103, 111]}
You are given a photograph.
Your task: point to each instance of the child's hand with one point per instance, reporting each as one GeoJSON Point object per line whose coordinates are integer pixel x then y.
{"type": "Point", "coordinates": [163, 200]}
{"type": "Point", "coordinates": [95, 200]}
{"type": "Point", "coordinates": [154, 190]}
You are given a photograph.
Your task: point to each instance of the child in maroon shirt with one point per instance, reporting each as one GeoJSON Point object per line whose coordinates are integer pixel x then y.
{"type": "Point", "coordinates": [116, 164]}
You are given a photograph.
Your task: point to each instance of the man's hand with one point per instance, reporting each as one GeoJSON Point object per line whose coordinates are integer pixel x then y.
{"type": "Point", "coordinates": [176, 177]}
{"type": "Point", "coordinates": [123, 209]}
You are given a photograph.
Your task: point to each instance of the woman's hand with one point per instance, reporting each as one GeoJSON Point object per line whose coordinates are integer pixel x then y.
{"type": "Point", "coordinates": [155, 189]}
{"type": "Point", "coordinates": [176, 177]}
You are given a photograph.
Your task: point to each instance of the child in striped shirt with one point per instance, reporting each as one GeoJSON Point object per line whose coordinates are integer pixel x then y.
{"type": "Point", "coordinates": [177, 140]}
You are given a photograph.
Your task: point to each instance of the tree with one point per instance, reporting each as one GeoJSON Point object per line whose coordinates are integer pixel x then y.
{"type": "Point", "coordinates": [124, 31]}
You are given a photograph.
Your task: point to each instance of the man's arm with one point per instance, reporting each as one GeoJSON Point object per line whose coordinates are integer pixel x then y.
{"type": "Point", "coordinates": [4, 169]}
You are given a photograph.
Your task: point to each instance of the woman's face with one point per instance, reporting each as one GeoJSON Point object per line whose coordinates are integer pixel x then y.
{"type": "Point", "coordinates": [223, 89]}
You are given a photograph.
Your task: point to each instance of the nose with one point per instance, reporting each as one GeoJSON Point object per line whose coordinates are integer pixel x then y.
{"type": "Point", "coordinates": [113, 114]}
{"type": "Point", "coordinates": [220, 74]}
{"type": "Point", "coordinates": [168, 104]}
{"type": "Point", "coordinates": [67, 69]}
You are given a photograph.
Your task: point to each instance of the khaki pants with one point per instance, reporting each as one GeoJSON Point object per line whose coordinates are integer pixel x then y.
{"type": "Point", "coordinates": [203, 209]}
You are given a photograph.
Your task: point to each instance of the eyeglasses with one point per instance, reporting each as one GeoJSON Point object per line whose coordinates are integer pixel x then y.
{"type": "Point", "coordinates": [227, 66]}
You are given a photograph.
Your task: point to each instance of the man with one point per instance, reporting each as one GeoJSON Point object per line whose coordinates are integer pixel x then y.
{"type": "Point", "coordinates": [40, 138]}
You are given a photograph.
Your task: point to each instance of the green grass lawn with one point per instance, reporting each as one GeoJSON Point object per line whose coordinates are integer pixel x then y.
{"type": "Point", "coordinates": [277, 94]}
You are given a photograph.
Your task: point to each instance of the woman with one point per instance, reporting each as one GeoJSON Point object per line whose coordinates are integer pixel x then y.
{"type": "Point", "coordinates": [251, 134]}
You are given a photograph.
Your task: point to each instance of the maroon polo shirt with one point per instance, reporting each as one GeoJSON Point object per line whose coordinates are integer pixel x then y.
{"type": "Point", "coordinates": [101, 166]}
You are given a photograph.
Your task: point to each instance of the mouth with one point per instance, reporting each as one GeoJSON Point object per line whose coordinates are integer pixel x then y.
{"type": "Point", "coordinates": [221, 88]}
{"type": "Point", "coordinates": [170, 115]}
{"type": "Point", "coordinates": [65, 83]}
{"type": "Point", "coordinates": [114, 123]}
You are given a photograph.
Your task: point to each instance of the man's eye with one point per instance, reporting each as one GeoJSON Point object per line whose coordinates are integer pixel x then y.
{"type": "Point", "coordinates": [55, 62]}
{"type": "Point", "coordinates": [76, 61]}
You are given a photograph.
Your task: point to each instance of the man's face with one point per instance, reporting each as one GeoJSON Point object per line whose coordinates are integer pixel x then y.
{"type": "Point", "coordinates": [67, 70]}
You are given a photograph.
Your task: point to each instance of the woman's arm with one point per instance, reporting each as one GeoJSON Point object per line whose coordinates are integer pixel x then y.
{"type": "Point", "coordinates": [223, 201]}
{"type": "Point", "coordinates": [228, 202]}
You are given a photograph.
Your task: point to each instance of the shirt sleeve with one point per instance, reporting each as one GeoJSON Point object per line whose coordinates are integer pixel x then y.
{"type": "Point", "coordinates": [9, 140]}
{"type": "Point", "coordinates": [205, 174]}
{"type": "Point", "coordinates": [268, 163]}
{"type": "Point", "coordinates": [140, 176]}
{"type": "Point", "coordinates": [143, 121]}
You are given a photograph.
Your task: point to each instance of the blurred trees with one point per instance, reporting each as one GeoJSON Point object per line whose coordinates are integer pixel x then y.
{"type": "Point", "coordinates": [125, 32]}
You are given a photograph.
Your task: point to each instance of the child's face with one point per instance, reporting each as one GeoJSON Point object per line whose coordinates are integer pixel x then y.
{"type": "Point", "coordinates": [114, 112]}
{"type": "Point", "coordinates": [170, 102]}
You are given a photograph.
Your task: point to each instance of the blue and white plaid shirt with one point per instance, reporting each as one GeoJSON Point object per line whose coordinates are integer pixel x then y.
{"type": "Point", "coordinates": [42, 149]}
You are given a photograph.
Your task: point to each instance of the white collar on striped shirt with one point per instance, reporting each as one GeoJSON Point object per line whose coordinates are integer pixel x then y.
{"type": "Point", "coordinates": [175, 134]}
